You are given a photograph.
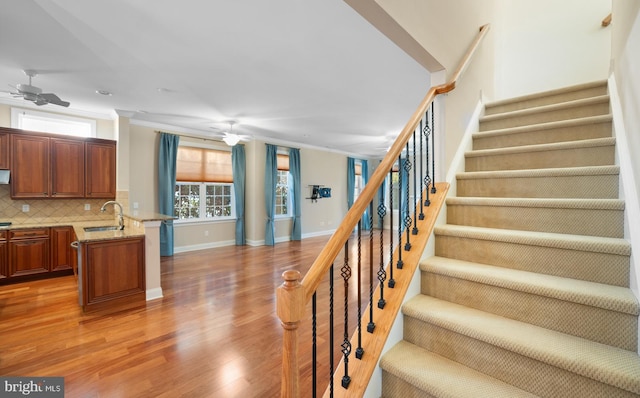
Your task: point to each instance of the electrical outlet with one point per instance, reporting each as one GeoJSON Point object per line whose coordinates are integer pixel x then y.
{"type": "Point", "coordinates": [206, 233]}
{"type": "Point", "coordinates": [135, 205]}
{"type": "Point", "coordinates": [25, 208]}
{"type": "Point", "coordinates": [87, 206]}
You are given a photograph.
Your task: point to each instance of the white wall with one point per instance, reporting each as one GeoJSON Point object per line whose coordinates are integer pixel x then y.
{"type": "Point", "coordinates": [547, 44]}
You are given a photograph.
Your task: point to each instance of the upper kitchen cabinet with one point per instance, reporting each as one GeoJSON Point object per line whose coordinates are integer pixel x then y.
{"type": "Point", "coordinates": [4, 151]}
{"type": "Point", "coordinates": [29, 166]}
{"type": "Point", "coordinates": [67, 168]}
{"type": "Point", "coordinates": [100, 169]}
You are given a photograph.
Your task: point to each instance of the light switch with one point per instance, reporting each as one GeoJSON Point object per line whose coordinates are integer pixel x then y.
{"type": "Point", "coordinates": [87, 206]}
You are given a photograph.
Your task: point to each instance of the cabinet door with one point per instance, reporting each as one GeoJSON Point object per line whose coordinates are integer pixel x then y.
{"type": "Point", "coordinates": [4, 266]}
{"type": "Point", "coordinates": [4, 151]}
{"type": "Point", "coordinates": [29, 166]}
{"type": "Point", "coordinates": [67, 168]}
{"type": "Point", "coordinates": [28, 257]}
{"type": "Point", "coordinates": [62, 255]}
{"type": "Point", "coordinates": [100, 170]}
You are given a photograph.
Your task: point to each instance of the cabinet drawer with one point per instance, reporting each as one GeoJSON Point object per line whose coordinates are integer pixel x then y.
{"type": "Point", "coordinates": [29, 233]}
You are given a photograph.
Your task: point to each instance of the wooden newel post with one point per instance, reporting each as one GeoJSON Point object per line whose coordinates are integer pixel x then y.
{"type": "Point", "coordinates": [290, 308]}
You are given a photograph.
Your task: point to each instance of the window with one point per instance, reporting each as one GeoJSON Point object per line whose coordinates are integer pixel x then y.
{"type": "Point", "coordinates": [359, 182]}
{"type": "Point", "coordinates": [52, 123]}
{"type": "Point", "coordinates": [283, 187]}
{"type": "Point", "coordinates": [204, 185]}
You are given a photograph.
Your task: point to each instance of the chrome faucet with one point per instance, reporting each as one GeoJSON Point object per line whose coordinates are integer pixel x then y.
{"type": "Point", "coordinates": [120, 215]}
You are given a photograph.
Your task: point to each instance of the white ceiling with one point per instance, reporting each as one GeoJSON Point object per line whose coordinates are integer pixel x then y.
{"type": "Point", "coordinates": [310, 72]}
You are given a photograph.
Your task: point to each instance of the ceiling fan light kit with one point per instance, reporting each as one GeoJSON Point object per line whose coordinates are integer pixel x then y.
{"type": "Point", "coordinates": [231, 139]}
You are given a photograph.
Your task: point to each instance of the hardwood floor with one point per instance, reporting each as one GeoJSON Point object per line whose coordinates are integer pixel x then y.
{"type": "Point", "coordinates": [213, 334]}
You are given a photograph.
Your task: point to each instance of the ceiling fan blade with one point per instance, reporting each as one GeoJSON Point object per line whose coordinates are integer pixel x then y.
{"type": "Point", "coordinates": [52, 99]}
{"type": "Point", "coordinates": [40, 101]}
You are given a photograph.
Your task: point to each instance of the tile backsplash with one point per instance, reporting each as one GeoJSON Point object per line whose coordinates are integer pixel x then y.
{"type": "Point", "coordinates": [48, 211]}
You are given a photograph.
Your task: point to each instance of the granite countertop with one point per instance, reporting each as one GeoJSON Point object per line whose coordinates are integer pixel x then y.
{"type": "Point", "coordinates": [130, 230]}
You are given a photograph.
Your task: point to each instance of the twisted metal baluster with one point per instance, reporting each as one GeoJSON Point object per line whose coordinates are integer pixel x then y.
{"type": "Point", "coordinates": [392, 282]}
{"type": "Point", "coordinates": [407, 218]}
{"type": "Point", "coordinates": [331, 359]}
{"type": "Point", "coordinates": [421, 216]}
{"type": "Point", "coordinates": [433, 151]}
{"type": "Point", "coordinates": [427, 178]}
{"type": "Point", "coordinates": [414, 231]}
{"type": "Point", "coordinates": [371, 325]}
{"type": "Point", "coordinates": [400, 263]}
{"type": "Point", "coordinates": [314, 344]}
{"type": "Point", "coordinates": [346, 344]}
{"type": "Point", "coordinates": [382, 275]}
{"type": "Point", "coordinates": [359, 350]}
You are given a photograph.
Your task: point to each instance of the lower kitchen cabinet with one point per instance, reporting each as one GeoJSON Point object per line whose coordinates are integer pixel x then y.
{"type": "Point", "coordinates": [4, 266]}
{"type": "Point", "coordinates": [62, 257]}
{"type": "Point", "coordinates": [29, 252]}
{"type": "Point", "coordinates": [111, 272]}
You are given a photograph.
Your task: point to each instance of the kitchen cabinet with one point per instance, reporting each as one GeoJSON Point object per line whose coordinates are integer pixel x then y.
{"type": "Point", "coordinates": [111, 272]}
{"type": "Point", "coordinates": [29, 166]}
{"type": "Point", "coordinates": [67, 168]}
{"type": "Point", "coordinates": [62, 256]}
{"type": "Point", "coordinates": [29, 252]}
{"type": "Point", "coordinates": [4, 151]}
{"type": "Point", "coordinates": [100, 170]}
{"type": "Point", "coordinates": [4, 266]}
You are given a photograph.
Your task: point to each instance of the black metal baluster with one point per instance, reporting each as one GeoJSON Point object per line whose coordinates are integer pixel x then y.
{"type": "Point", "coordinates": [382, 274]}
{"type": "Point", "coordinates": [331, 331]}
{"type": "Point", "coordinates": [414, 231]}
{"type": "Point", "coordinates": [371, 325]}
{"type": "Point", "coordinates": [392, 282]}
{"type": "Point", "coordinates": [421, 217]}
{"type": "Point", "coordinates": [427, 178]}
{"type": "Point", "coordinates": [407, 218]}
{"type": "Point", "coordinates": [433, 151]}
{"type": "Point", "coordinates": [359, 350]}
{"type": "Point", "coordinates": [314, 345]}
{"type": "Point", "coordinates": [400, 263]}
{"type": "Point", "coordinates": [346, 344]}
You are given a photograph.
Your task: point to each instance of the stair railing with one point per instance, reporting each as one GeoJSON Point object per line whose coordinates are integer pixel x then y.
{"type": "Point", "coordinates": [295, 294]}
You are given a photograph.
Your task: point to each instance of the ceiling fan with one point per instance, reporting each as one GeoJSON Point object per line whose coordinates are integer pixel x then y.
{"type": "Point", "coordinates": [229, 137]}
{"type": "Point", "coordinates": [35, 94]}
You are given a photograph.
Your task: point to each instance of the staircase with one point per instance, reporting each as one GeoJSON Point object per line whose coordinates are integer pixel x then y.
{"type": "Point", "coordinates": [528, 292]}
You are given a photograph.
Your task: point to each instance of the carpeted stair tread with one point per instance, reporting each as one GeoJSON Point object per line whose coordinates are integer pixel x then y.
{"type": "Point", "coordinates": [609, 365]}
{"type": "Point", "coordinates": [441, 377]}
{"type": "Point", "coordinates": [563, 130]}
{"type": "Point", "coordinates": [559, 95]}
{"type": "Point", "coordinates": [537, 173]}
{"type": "Point", "coordinates": [563, 111]}
{"type": "Point", "coordinates": [552, 203]}
{"type": "Point", "coordinates": [594, 244]}
{"type": "Point", "coordinates": [608, 297]}
{"type": "Point", "coordinates": [556, 146]}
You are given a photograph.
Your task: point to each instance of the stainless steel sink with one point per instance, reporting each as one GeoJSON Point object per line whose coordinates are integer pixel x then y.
{"type": "Point", "coordinates": [102, 228]}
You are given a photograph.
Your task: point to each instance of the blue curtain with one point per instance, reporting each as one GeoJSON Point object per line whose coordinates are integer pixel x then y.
{"type": "Point", "coordinates": [404, 211]}
{"type": "Point", "coordinates": [365, 178]}
{"type": "Point", "coordinates": [381, 196]}
{"type": "Point", "coordinates": [167, 154]}
{"type": "Point", "coordinates": [296, 198]}
{"type": "Point", "coordinates": [351, 181]}
{"type": "Point", "coordinates": [270, 178]}
{"type": "Point", "coordinates": [238, 163]}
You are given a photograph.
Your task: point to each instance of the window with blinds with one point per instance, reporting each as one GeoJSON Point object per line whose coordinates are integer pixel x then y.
{"type": "Point", "coordinates": [283, 187]}
{"type": "Point", "coordinates": [204, 185]}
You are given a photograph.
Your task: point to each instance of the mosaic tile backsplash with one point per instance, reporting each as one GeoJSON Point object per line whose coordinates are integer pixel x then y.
{"type": "Point", "coordinates": [54, 211]}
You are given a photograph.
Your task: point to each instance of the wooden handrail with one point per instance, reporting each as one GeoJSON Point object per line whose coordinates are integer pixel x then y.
{"type": "Point", "coordinates": [323, 262]}
{"type": "Point", "coordinates": [607, 20]}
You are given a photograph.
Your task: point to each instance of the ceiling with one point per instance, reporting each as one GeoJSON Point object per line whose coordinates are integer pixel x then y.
{"type": "Point", "coordinates": [311, 73]}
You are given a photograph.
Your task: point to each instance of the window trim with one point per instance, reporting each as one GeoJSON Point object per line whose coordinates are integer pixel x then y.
{"type": "Point", "coordinates": [200, 220]}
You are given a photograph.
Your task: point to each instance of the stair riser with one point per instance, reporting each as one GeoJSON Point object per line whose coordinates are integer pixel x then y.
{"type": "Point", "coordinates": [393, 386]}
{"type": "Point", "coordinates": [521, 371]}
{"type": "Point", "coordinates": [567, 157]}
{"type": "Point", "coordinates": [524, 103]}
{"type": "Point", "coordinates": [593, 186]}
{"type": "Point", "coordinates": [533, 137]}
{"type": "Point", "coordinates": [583, 265]}
{"type": "Point", "coordinates": [607, 223]}
{"type": "Point", "coordinates": [508, 121]}
{"type": "Point", "coordinates": [597, 324]}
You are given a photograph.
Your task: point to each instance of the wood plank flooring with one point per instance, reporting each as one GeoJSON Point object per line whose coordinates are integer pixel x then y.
{"type": "Point", "coordinates": [213, 334]}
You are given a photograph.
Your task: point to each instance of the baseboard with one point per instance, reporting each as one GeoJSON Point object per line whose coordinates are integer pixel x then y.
{"type": "Point", "coordinates": [153, 294]}
{"type": "Point", "coordinates": [318, 233]}
{"type": "Point", "coordinates": [202, 246]}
